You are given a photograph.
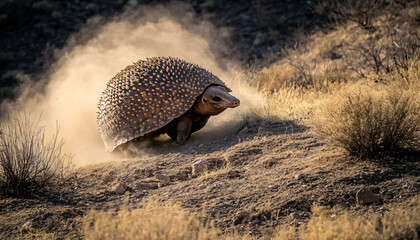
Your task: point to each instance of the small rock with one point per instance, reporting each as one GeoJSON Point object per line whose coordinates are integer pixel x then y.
{"type": "Point", "coordinates": [119, 188]}
{"type": "Point", "coordinates": [28, 225]}
{"type": "Point", "coordinates": [146, 185]}
{"type": "Point", "coordinates": [364, 197]}
{"type": "Point", "coordinates": [202, 186]}
{"type": "Point", "coordinates": [342, 206]}
{"type": "Point", "coordinates": [298, 176]}
{"type": "Point", "coordinates": [198, 167]}
{"type": "Point", "coordinates": [241, 216]}
{"type": "Point", "coordinates": [162, 177]}
{"type": "Point", "coordinates": [135, 172]}
{"type": "Point", "coordinates": [109, 179]}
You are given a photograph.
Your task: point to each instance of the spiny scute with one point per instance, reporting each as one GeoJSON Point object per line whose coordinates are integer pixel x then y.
{"type": "Point", "coordinates": [147, 95]}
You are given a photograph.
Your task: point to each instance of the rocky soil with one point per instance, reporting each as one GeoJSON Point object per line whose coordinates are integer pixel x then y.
{"type": "Point", "coordinates": [267, 175]}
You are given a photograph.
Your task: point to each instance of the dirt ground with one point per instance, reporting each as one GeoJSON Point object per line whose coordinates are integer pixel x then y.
{"type": "Point", "coordinates": [272, 171]}
{"type": "Point", "coordinates": [259, 175]}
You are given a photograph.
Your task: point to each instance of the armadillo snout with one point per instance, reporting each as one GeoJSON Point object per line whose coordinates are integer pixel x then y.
{"type": "Point", "coordinates": [234, 103]}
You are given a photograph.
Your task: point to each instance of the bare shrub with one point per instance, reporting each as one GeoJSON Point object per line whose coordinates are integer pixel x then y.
{"type": "Point", "coordinates": [367, 123]}
{"type": "Point", "coordinates": [358, 11]}
{"type": "Point", "coordinates": [391, 48]}
{"type": "Point", "coordinates": [372, 58]}
{"type": "Point", "coordinates": [305, 74]}
{"type": "Point", "coordinates": [403, 50]}
{"type": "Point", "coordinates": [29, 161]}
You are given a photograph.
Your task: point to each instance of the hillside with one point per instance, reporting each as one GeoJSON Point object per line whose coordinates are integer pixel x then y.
{"type": "Point", "coordinates": [325, 144]}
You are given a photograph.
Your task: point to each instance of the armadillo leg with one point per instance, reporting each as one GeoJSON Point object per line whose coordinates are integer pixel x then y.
{"type": "Point", "coordinates": [197, 125]}
{"type": "Point", "coordinates": [183, 128]}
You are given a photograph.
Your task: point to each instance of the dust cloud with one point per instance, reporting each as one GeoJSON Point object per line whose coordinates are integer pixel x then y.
{"type": "Point", "coordinates": [72, 88]}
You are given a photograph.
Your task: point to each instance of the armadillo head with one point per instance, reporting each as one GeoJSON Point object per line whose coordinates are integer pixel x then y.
{"type": "Point", "coordinates": [214, 100]}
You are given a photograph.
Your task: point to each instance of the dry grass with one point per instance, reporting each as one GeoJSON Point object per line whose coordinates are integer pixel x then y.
{"type": "Point", "coordinates": [297, 103]}
{"type": "Point", "coordinates": [295, 86]}
{"type": "Point", "coordinates": [398, 223]}
{"type": "Point", "coordinates": [367, 122]}
{"type": "Point", "coordinates": [169, 221]}
{"type": "Point", "coordinates": [28, 160]}
{"type": "Point", "coordinates": [321, 74]}
{"type": "Point", "coordinates": [26, 235]}
{"type": "Point", "coordinates": [153, 221]}
{"type": "Point", "coordinates": [214, 175]}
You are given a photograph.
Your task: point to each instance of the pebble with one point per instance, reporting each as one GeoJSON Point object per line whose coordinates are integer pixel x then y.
{"type": "Point", "coordinates": [119, 188]}
{"type": "Point", "coordinates": [109, 179]}
{"type": "Point", "coordinates": [198, 167]}
{"type": "Point", "coordinates": [241, 216]}
{"type": "Point", "coordinates": [162, 177]}
{"type": "Point", "coordinates": [364, 197]}
{"type": "Point", "coordinates": [342, 205]}
{"type": "Point", "coordinates": [146, 185]}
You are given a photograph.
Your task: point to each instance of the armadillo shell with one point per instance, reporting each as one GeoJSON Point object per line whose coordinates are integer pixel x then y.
{"type": "Point", "coordinates": [146, 96]}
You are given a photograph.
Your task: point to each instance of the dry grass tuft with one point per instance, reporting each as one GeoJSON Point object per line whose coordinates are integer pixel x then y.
{"type": "Point", "coordinates": [398, 223]}
{"type": "Point", "coordinates": [368, 122]}
{"type": "Point", "coordinates": [29, 161]}
{"type": "Point", "coordinates": [169, 221]}
{"type": "Point", "coordinates": [214, 175]}
{"type": "Point", "coordinates": [30, 234]}
{"type": "Point", "coordinates": [153, 221]}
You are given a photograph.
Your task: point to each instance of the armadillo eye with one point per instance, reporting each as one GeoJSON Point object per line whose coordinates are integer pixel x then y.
{"type": "Point", "coordinates": [216, 99]}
